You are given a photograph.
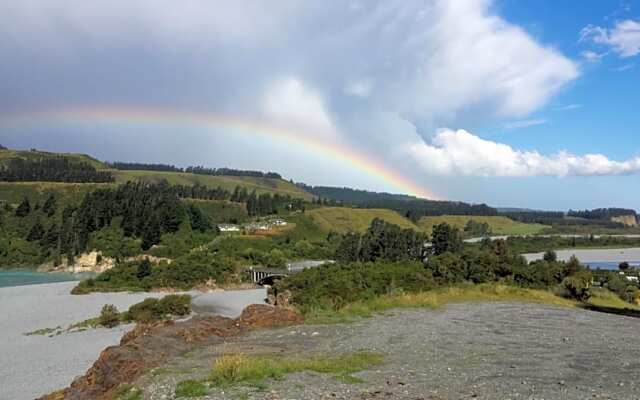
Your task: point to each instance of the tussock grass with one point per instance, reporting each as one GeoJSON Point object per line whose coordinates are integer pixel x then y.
{"type": "Point", "coordinates": [253, 370]}
{"type": "Point", "coordinates": [434, 299]}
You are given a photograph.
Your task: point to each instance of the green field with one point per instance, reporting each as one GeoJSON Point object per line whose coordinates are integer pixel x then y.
{"type": "Point", "coordinates": [499, 225]}
{"type": "Point", "coordinates": [342, 220]}
{"type": "Point", "coordinates": [261, 185]}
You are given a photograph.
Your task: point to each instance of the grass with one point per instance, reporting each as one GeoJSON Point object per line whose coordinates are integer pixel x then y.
{"type": "Point", "coordinates": [499, 225]}
{"type": "Point", "coordinates": [238, 369]}
{"type": "Point", "coordinates": [191, 388]}
{"type": "Point", "coordinates": [605, 298]}
{"type": "Point", "coordinates": [434, 299]}
{"type": "Point", "coordinates": [342, 220]}
{"type": "Point", "coordinates": [127, 392]}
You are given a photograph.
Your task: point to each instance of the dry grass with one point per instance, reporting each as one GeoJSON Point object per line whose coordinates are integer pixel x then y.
{"type": "Point", "coordinates": [435, 299]}
{"type": "Point", "coordinates": [253, 370]}
{"type": "Point", "coordinates": [343, 219]}
{"type": "Point", "coordinates": [499, 225]}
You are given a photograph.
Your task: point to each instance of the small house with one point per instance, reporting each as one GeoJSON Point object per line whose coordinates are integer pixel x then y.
{"type": "Point", "coordinates": [229, 228]}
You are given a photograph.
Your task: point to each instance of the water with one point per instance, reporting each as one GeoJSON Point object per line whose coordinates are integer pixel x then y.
{"type": "Point", "coordinates": [609, 264]}
{"type": "Point", "coordinates": [18, 277]}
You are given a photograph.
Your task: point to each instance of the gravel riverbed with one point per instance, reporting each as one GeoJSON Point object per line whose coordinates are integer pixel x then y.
{"type": "Point", "coordinates": [463, 351]}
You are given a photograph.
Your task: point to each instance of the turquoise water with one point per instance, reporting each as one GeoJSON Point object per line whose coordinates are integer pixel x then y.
{"type": "Point", "coordinates": [25, 277]}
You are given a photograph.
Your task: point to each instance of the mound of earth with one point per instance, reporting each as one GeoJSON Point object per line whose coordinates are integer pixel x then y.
{"type": "Point", "coordinates": [148, 346]}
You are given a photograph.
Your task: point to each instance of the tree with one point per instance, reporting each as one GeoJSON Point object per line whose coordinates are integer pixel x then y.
{"type": "Point", "coordinates": [276, 259]}
{"type": "Point", "coordinates": [445, 238]}
{"type": "Point", "coordinates": [349, 248]}
{"type": "Point", "coordinates": [49, 207]}
{"type": "Point", "coordinates": [24, 208]}
{"type": "Point", "coordinates": [36, 233]}
{"type": "Point", "coordinates": [144, 269]}
{"type": "Point", "coordinates": [550, 256]}
{"type": "Point", "coordinates": [151, 233]}
{"type": "Point", "coordinates": [624, 266]}
{"type": "Point", "coordinates": [578, 286]}
{"type": "Point", "coordinates": [109, 316]}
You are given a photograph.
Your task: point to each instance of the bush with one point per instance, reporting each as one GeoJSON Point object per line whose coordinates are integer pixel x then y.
{"type": "Point", "coordinates": [578, 286]}
{"type": "Point", "coordinates": [109, 316]}
{"type": "Point", "coordinates": [152, 309]}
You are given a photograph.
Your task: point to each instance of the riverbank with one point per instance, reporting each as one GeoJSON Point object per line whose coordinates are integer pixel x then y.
{"type": "Point", "coordinates": [27, 359]}
{"type": "Point", "coordinates": [22, 277]}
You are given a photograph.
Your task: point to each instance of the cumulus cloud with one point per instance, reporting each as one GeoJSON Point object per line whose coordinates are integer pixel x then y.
{"type": "Point", "coordinates": [365, 73]}
{"type": "Point", "coordinates": [462, 153]}
{"type": "Point", "coordinates": [592, 56]}
{"type": "Point", "coordinates": [623, 38]}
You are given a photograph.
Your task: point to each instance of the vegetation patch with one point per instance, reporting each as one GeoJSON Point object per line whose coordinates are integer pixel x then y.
{"type": "Point", "coordinates": [251, 370]}
{"type": "Point", "coordinates": [191, 388]}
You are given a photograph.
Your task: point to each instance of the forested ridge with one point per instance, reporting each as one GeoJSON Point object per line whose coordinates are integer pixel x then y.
{"type": "Point", "coordinates": [52, 169]}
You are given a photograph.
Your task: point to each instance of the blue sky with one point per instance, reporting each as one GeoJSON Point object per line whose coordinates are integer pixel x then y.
{"type": "Point", "coordinates": [514, 103]}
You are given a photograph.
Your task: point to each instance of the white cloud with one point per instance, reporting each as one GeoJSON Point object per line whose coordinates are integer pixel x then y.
{"type": "Point", "coordinates": [569, 107]}
{"type": "Point", "coordinates": [462, 153]}
{"type": "Point", "coordinates": [592, 56]}
{"type": "Point", "coordinates": [623, 38]}
{"type": "Point", "coordinates": [289, 103]}
{"type": "Point", "coordinates": [359, 88]}
{"type": "Point", "coordinates": [525, 123]}
{"type": "Point", "coordinates": [625, 67]}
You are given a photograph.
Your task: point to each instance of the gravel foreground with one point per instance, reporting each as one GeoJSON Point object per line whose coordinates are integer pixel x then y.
{"type": "Point", "coordinates": [463, 351]}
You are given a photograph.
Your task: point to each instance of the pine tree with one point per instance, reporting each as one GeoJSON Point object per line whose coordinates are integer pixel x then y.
{"type": "Point", "coordinates": [49, 207]}
{"type": "Point", "coordinates": [36, 233]}
{"type": "Point", "coordinates": [24, 208]}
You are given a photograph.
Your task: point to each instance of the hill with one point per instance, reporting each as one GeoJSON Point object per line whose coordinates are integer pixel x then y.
{"type": "Point", "coordinates": [343, 220]}
{"type": "Point", "coordinates": [499, 225]}
{"type": "Point", "coordinates": [261, 185]}
{"type": "Point", "coordinates": [6, 155]}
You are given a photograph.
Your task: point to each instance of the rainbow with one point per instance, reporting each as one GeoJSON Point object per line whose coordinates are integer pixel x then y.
{"type": "Point", "coordinates": [133, 115]}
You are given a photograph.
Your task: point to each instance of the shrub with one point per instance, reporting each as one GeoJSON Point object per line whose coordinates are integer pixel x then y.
{"type": "Point", "coordinates": [109, 316]}
{"type": "Point", "coordinates": [578, 286]}
{"type": "Point", "coordinates": [152, 309]}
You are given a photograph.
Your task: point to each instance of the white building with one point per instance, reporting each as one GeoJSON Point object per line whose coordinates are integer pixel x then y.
{"type": "Point", "coordinates": [228, 228]}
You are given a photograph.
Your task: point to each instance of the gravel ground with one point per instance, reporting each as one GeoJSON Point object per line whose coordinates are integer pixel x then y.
{"type": "Point", "coordinates": [464, 351]}
{"type": "Point", "coordinates": [31, 366]}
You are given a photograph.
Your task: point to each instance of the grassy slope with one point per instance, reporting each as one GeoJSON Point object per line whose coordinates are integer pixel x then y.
{"type": "Point", "coordinates": [433, 299]}
{"type": "Point", "coordinates": [14, 192]}
{"type": "Point", "coordinates": [499, 225]}
{"type": "Point", "coordinates": [342, 220]}
{"type": "Point", "coordinates": [261, 185]}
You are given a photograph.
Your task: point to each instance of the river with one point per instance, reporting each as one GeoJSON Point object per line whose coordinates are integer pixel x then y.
{"type": "Point", "coordinates": [595, 258]}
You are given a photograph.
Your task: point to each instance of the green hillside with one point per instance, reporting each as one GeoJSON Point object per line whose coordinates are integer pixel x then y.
{"type": "Point", "coordinates": [499, 225]}
{"type": "Point", "coordinates": [6, 155]}
{"type": "Point", "coordinates": [261, 185]}
{"type": "Point", "coordinates": [343, 220]}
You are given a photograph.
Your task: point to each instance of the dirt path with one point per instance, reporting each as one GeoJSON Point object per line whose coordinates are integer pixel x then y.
{"type": "Point", "coordinates": [464, 351]}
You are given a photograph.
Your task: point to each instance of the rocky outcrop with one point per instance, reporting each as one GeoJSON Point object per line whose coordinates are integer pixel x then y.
{"type": "Point", "coordinates": [93, 261]}
{"type": "Point", "coordinates": [148, 346]}
{"type": "Point", "coordinates": [627, 220]}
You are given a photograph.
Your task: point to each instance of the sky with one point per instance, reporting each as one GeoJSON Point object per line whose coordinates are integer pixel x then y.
{"type": "Point", "coordinates": [505, 102]}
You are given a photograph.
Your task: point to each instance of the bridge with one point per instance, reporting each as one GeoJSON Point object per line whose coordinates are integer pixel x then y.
{"type": "Point", "coordinates": [268, 276]}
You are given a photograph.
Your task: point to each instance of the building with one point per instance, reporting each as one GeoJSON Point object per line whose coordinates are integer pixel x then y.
{"type": "Point", "coordinates": [228, 228]}
{"type": "Point", "coordinates": [278, 222]}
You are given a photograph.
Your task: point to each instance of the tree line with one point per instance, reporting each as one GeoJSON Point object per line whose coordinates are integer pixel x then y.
{"type": "Point", "coordinates": [199, 170]}
{"type": "Point", "coordinates": [602, 213]}
{"type": "Point", "coordinates": [52, 169]}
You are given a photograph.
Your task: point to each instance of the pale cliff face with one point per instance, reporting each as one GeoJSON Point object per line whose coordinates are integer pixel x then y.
{"type": "Point", "coordinates": [628, 220]}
